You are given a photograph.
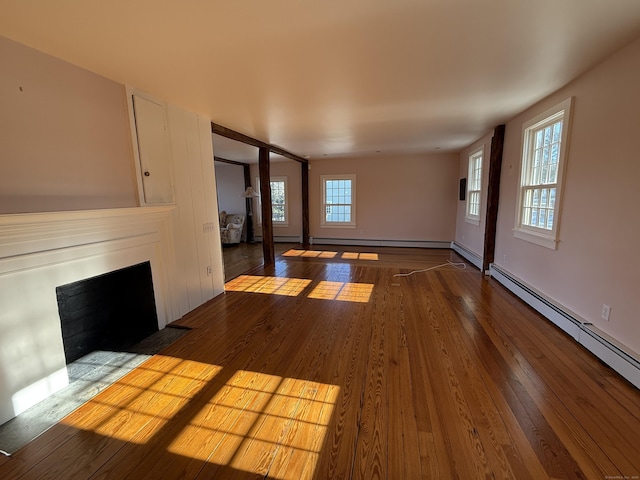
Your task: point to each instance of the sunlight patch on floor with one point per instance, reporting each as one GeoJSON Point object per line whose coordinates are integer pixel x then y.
{"type": "Point", "coordinates": [261, 423]}
{"type": "Point", "coordinates": [359, 256]}
{"type": "Point", "coordinates": [343, 291]}
{"type": "Point", "coordinates": [290, 287]}
{"type": "Point", "coordinates": [141, 403]}
{"type": "Point", "coordinates": [328, 254]}
{"type": "Point", "coordinates": [309, 253]}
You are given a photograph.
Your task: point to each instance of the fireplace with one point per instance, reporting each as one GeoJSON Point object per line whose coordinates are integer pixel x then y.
{"type": "Point", "coordinates": [108, 312]}
{"type": "Point", "coordinates": [44, 261]}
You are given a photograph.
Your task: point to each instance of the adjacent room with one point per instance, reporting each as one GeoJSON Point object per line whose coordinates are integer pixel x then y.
{"type": "Point", "coordinates": [319, 239]}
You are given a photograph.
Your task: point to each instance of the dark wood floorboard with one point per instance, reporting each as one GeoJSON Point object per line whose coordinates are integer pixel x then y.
{"type": "Point", "coordinates": [326, 366]}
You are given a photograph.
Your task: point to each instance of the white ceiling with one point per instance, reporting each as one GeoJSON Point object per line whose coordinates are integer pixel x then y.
{"type": "Point", "coordinates": [335, 77]}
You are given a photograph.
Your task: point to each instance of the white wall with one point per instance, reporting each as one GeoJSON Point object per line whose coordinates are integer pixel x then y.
{"type": "Point", "coordinates": [198, 251]}
{"type": "Point", "coordinates": [399, 197]}
{"type": "Point", "coordinates": [468, 234]}
{"type": "Point", "coordinates": [597, 259]}
{"type": "Point", "coordinates": [230, 185]}
{"type": "Point", "coordinates": [64, 136]}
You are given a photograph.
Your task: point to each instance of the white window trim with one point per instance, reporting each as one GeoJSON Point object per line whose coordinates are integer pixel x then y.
{"type": "Point", "coordinates": [540, 236]}
{"type": "Point", "coordinates": [286, 202]}
{"type": "Point", "coordinates": [469, 218]}
{"type": "Point", "coordinates": [323, 222]}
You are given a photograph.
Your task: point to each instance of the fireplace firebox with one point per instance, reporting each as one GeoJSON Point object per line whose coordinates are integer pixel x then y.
{"type": "Point", "coordinates": [107, 312]}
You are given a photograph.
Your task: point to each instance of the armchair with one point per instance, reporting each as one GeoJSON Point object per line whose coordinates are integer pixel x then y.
{"type": "Point", "coordinates": [231, 227]}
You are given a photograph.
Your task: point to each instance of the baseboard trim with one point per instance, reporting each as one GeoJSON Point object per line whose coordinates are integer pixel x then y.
{"type": "Point", "coordinates": [380, 243]}
{"type": "Point", "coordinates": [468, 255]}
{"type": "Point", "coordinates": [613, 353]}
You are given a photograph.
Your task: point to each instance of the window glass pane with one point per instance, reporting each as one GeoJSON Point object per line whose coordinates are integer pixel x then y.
{"type": "Point", "coordinates": [537, 161]}
{"type": "Point", "coordinates": [542, 218]}
{"type": "Point", "coordinates": [277, 213]}
{"type": "Point", "coordinates": [557, 131]}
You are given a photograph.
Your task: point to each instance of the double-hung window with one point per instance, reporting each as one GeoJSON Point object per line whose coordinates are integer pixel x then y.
{"type": "Point", "coordinates": [474, 184]}
{"type": "Point", "coordinates": [338, 200]}
{"type": "Point", "coordinates": [279, 201]}
{"type": "Point", "coordinates": [544, 146]}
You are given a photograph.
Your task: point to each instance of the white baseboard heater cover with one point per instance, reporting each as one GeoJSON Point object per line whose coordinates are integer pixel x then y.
{"type": "Point", "coordinates": [613, 353]}
{"type": "Point", "coordinates": [468, 255]}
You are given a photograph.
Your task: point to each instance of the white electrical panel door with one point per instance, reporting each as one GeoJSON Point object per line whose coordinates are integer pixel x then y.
{"type": "Point", "coordinates": [153, 149]}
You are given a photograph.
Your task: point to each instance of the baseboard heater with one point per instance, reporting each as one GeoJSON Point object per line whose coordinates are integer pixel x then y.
{"type": "Point", "coordinates": [468, 255]}
{"type": "Point", "coordinates": [613, 353]}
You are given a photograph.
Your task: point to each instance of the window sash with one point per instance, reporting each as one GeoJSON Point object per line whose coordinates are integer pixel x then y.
{"type": "Point", "coordinates": [538, 207]}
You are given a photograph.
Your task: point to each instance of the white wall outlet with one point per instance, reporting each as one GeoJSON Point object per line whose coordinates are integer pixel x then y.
{"type": "Point", "coordinates": [606, 311]}
{"type": "Point", "coordinates": [209, 271]}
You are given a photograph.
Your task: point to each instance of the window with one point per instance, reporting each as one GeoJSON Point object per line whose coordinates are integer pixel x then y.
{"type": "Point", "coordinates": [544, 145]}
{"type": "Point", "coordinates": [279, 198]}
{"type": "Point", "coordinates": [473, 187]}
{"type": "Point", "coordinates": [338, 200]}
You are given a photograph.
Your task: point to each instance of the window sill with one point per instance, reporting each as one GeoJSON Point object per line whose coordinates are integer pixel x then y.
{"type": "Point", "coordinates": [337, 225]}
{"type": "Point", "coordinates": [472, 221]}
{"type": "Point", "coordinates": [537, 238]}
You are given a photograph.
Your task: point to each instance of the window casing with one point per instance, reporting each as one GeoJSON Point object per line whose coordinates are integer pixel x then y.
{"type": "Point", "coordinates": [474, 188]}
{"type": "Point", "coordinates": [544, 147]}
{"type": "Point", "coordinates": [338, 201]}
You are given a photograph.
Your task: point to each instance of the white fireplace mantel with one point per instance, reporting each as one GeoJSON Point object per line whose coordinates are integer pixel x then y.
{"type": "Point", "coordinates": [41, 251]}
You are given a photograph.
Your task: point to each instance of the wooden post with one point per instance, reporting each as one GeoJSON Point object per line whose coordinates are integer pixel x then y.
{"type": "Point", "coordinates": [305, 203]}
{"type": "Point", "coordinates": [268, 251]}
{"type": "Point", "coordinates": [493, 197]}
{"type": "Point", "coordinates": [249, 205]}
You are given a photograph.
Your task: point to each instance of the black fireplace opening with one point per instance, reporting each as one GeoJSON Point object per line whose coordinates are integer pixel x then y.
{"type": "Point", "coordinates": [110, 312]}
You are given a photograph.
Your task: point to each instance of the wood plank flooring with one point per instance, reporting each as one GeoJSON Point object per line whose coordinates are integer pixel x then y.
{"type": "Point", "coordinates": [326, 366]}
{"type": "Point", "coordinates": [243, 256]}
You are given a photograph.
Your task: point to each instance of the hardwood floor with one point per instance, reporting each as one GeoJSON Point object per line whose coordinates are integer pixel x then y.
{"type": "Point", "coordinates": [329, 367]}
{"type": "Point", "coordinates": [244, 256]}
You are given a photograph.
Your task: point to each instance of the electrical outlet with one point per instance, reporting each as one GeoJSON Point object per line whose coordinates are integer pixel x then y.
{"type": "Point", "coordinates": [606, 311]}
{"type": "Point", "coordinates": [209, 271]}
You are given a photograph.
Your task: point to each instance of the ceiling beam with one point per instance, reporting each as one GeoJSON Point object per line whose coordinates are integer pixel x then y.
{"type": "Point", "coordinates": [232, 162]}
{"type": "Point", "coordinates": [241, 137]}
